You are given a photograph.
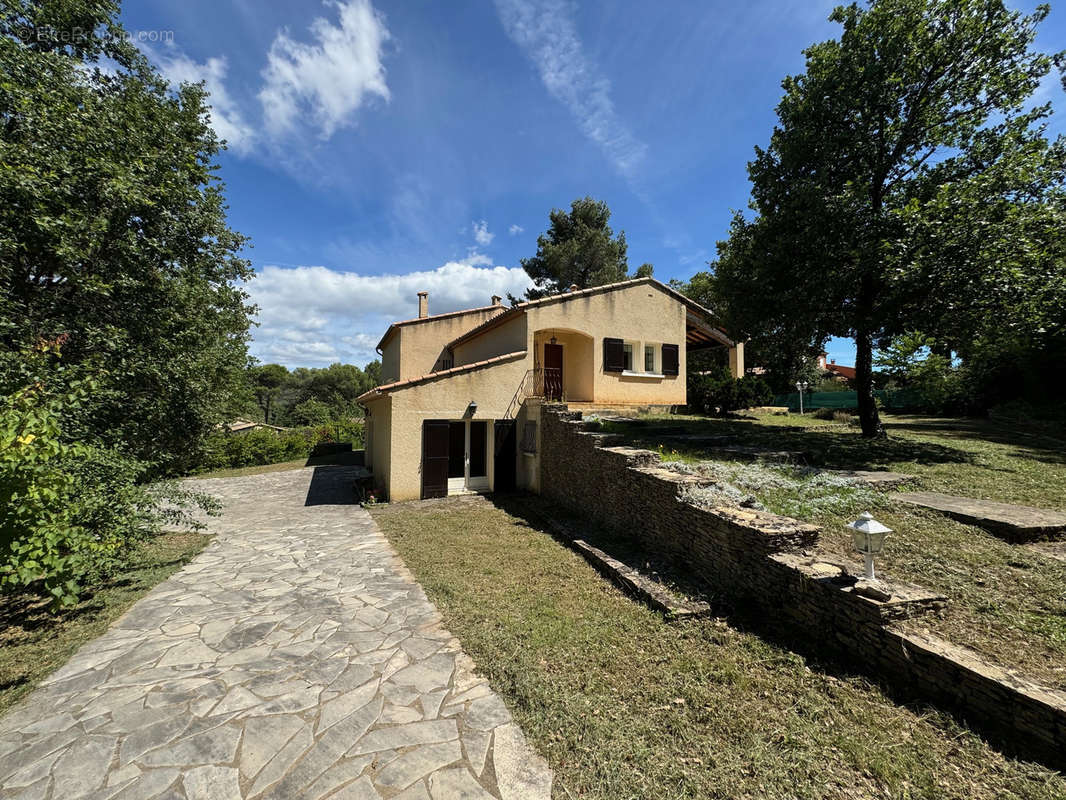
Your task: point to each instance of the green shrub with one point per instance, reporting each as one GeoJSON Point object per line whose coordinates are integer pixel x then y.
{"type": "Point", "coordinates": [68, 509]}
{"type": "Point", "coordinates": [225, 450]}
{"type": "Point", "coordinates": [717, 392]}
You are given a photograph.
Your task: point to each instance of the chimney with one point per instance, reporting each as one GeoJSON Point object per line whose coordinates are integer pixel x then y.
{"type": "Point", "coordinates": [423, 304]}
{"type": "Point", "coordinates": [496, 300]}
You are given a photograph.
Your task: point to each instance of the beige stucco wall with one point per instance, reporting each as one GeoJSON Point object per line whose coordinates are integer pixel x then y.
{"type": "Point", "coordinates": [506, 337]}
{"type": "Point", "coordinates": [379, 433]}
{"type": "Point", "coordinates": [421, 343]}
{"type": "Point", "coordinates": [492, 388]}
{"type": "Point", "coordinates": [390, 359]}
{"type": "Point", "coordinates": [641, 313]}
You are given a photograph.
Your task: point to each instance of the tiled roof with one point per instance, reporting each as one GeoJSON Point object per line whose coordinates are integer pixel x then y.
{"type": "Point", "coordinates": [566, 296]}
{"type": "Point", "coordinates": [844, 372]}
{"type": "Point", "coordinates": [444, 373]}
{"type": "Point", "coordinates": [433, 318]}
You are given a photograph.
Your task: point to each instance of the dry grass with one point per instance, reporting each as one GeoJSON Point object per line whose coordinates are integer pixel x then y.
{"type": "Point", "coordinates": [1007, 601]}
{"type": "Point", "coordinates": [35, 642]}
{"type": "Point", "coordinates": [626, 705]}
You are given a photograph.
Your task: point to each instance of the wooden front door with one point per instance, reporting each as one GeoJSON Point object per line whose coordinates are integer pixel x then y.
{"type": "Point", "coordinates": [435, 436]}
{"type": "Point", "coordinates": [553, 371]}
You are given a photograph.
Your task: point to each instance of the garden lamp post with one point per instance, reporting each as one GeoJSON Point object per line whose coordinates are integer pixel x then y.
{"type": "Point", "coordinates": [801, 387]}
{"type": "Point", "coordinates": [868, 536]}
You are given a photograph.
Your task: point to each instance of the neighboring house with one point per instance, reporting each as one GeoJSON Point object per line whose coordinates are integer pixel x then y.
{"type": "Point", "coordinates": [459, 407]}
{"type": "Point", "coordinates": [834, 371]}
{"type": "Point", "coordinates": [244, 425]}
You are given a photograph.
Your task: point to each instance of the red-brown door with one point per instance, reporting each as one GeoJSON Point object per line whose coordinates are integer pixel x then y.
{"type": "Point", "coordinates": [553, 371]}
{"type": "Point", "coordinates": [435, 449]}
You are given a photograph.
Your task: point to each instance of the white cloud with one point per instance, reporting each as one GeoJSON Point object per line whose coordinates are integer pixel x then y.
{"type": "Point", "coordinates": [514, 230]}
{"type": "Point", "coordinates": [313, 316]}
{"type": "Point", "coordinates": [327, 80]}
{"type": "Point", "coordinates": [546, 31]}
{"type": "Point", "coordinates": [481, 233]}
{"type": "Point", "coordinates": [226, 118]}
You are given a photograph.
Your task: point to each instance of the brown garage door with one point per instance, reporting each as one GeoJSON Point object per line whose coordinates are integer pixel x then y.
{"type": "Point", "coordinates": [435, 458]}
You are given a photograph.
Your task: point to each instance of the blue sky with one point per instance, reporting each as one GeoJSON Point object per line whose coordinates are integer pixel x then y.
{"type": "Point", "coordinates": [381, 148]}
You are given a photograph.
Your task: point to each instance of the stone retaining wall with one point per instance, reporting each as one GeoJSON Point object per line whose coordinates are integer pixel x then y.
{"type": "Point", "coordinates": [765, 564]}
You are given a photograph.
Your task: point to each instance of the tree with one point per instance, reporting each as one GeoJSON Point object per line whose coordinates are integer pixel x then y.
{"type": "Point", "coordinates": [906, 186]}
{"type": "Point", "coordinates": [267, 381]}
{"type": "Point", "coordinates": [113, 232]}
{"type": "Point", "coordinates": [578, 249]}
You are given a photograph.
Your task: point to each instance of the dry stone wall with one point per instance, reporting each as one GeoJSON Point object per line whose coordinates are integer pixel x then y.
{"type": "Point", "coordinates": [766, 565]}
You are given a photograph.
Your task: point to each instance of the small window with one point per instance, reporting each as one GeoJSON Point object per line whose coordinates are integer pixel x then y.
{"type": "Point", "coordinates": [649, 358]}
{"type": "Point", "coordinates": [627, 357]}
{"type": "Point", "coordinates": [529, 438]}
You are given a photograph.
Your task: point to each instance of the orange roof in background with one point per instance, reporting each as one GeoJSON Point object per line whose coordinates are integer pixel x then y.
{"type": "Point", "coordinates": [843, 372]}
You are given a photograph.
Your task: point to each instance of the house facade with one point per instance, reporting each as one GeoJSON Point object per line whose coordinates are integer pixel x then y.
{"type": "Point", "coordinates": [458, 409]}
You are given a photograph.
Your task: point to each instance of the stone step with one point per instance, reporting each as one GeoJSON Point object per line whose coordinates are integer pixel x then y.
{"type": "Point", "coordinates": [1012, 522]}
{"type": "Point", "coordinates": [878, 479]}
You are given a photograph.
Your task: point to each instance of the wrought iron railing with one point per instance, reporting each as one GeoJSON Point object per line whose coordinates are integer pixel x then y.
{"type": "Point", "coordinates": [537, 383]}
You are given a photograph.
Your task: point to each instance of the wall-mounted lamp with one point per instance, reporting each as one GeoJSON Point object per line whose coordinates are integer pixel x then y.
{"type": "Point", "coordinates": [472, 408]}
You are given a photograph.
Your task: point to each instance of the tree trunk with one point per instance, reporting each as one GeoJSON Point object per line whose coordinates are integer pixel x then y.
{"type": "Point", "coordinates": [864, 384]}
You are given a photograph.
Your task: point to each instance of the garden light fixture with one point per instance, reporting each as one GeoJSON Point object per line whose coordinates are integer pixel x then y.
{"type": "Point", "coordinates": [868, 536]}
{"type": "Point", "coordinates": [801, 387]}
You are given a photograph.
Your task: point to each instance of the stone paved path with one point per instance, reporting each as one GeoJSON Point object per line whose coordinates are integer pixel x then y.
{"type": "Point", "coordinates": [295, 657]}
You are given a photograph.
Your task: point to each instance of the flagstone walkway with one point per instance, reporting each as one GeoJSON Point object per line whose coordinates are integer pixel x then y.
{"type": "Point", "coordinates": [295, 657]}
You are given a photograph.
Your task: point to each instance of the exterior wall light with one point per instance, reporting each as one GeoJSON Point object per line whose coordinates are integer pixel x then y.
{"type": "Point", "coordinates": [868, 536]}
{"type": "Point", "coordinates": [472, 408]}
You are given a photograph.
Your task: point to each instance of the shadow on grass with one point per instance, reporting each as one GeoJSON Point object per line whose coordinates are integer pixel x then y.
{"type": "Point", "coordinates": [821, 446]}
{"type": "Point", "coordinates": [1038, 445]}
{"type": "Point", "coordinates": [538, 514]}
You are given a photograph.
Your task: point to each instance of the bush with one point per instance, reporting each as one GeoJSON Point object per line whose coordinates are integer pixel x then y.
{"type": "Point", "coordinates": [225, 450]}
{"type": "Point", "coordinates": [68, 510]}
{"type": "Point", "coordinates": [717, 392]}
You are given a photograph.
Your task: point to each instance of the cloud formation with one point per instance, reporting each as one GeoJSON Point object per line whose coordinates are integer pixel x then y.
{"type": "Point", "coordinates": [327, 80]}
{"type": "Point", "coordinates": [481, 233]}
{"type": "Point", "coordinates": [317, 85]}
{"type": "Point", "coordinates": [226, 117]}
{"type": "Point", "coordinates": [547, 33]}
{"type": "Point", "coordinates": [514, 230]}
{"type": "Point", "coordinates": [314, 316]}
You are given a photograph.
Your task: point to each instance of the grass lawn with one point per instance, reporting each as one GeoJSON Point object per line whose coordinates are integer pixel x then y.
{"type": "Point", "coordinates": [1007, 601]}
{"type": "Point", "coordinates": [34, 642]}
{"type": "Point", "coordinates": [626, 705]}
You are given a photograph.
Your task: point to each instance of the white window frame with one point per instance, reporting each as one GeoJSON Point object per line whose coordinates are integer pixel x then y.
{"type": "Point", "coordinates": [638, 351]}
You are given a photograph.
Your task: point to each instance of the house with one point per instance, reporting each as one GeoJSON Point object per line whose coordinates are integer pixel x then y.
{"type": "Point", "coordinates": [244, 426]}
{"type": "Point", "coordinates": [834, 371]}
{"type": "Point", "coordinates": [459, 406]}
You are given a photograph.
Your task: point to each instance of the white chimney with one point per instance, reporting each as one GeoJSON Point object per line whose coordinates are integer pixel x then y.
{"type": "Point", "coordinates": [497, 300]}
{"type": "Point", "coordinates": [423, 305]}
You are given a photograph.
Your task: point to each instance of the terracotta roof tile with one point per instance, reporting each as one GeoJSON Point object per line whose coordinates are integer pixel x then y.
{"type": "Point", "coordinates": [434, 318]}
{"type": "Point", "coordinates": [443, 373]}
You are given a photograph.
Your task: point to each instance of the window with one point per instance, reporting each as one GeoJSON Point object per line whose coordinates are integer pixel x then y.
{"type": "Point", "coordinates": [649, 358]}
{"type": "Point", "coordinates": [529, 438]}
{"type": "Point", "coordinates": [627, 357]}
